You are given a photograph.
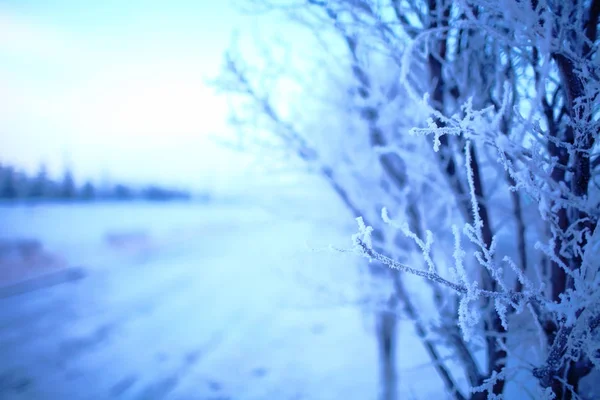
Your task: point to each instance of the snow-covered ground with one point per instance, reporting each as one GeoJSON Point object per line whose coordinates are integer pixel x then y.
{"type": "Point", "coordinates": [193, 301]}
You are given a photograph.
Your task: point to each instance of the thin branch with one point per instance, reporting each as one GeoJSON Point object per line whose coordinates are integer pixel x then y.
{"type": "Point", "coordinates": [510, 296]}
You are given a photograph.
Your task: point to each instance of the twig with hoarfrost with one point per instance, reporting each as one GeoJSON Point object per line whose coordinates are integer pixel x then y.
{"type": "Point", "coordinates": [363, 247]}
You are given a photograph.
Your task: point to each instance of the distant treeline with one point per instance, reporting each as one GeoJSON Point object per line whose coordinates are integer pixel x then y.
{"type": "Point", "coordinates": [18, 185]}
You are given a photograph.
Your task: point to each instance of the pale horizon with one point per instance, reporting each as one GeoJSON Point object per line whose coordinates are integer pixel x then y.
{"type": "Point", "coordinates": [118, 89]}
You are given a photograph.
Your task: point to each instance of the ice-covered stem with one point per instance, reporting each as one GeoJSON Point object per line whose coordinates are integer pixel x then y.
{"type": "Point", "coordinates": [570, 144]}
{"type": "Point", "coordinates": [439, 11]}
{"type": "Point", "coordinates": [505, 110]}
{"type": "Point", "coordinates": [496, 355]}
{"type": "Point", "coordinates": [555, 361]}
{"type": "Point", "coordinates": [365, 249]}
{"type": "Point", "coordinates": [559, 361]}
{"type": "Point", "coordinates": [455, 338]}
{"type": "Point", "coordinates": [558, 174]}
{"type": "Point", "coordinates": [520, 228]}
{"type": "Point", "coordinates": [435, 60]}
{"type": "Point", "coordinates": [439, 15]}
{"type": "Point", "coordinates": [480, 218]}
{"type": "Point", "coordinates": [368, 251]}
{"type": "Point", "coordinates": [394, 168]}
{"type": "Point", "coordinates": [582, 136]}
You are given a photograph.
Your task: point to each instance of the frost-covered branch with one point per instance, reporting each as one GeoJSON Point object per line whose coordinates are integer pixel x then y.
{"type": "Point", "coordinates": [491, 104]}
{"type": "Point", "coordinates": [364, 248]}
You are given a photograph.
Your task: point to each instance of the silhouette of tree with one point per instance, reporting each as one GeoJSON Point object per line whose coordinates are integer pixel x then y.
{"type": "Point", "coordinates": [8, 183]}
{"type": "Point", "coordinates": [88, 191]}
{"type": "Point", "coordinates": [68, 189]}
{"type": "Point", "coordinates": [40, 186]}
{"type": "Point", "coordinates": [123, 192]}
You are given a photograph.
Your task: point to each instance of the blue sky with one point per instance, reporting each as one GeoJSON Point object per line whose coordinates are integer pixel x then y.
{"type": "Point", "coordinates": [116, 88]}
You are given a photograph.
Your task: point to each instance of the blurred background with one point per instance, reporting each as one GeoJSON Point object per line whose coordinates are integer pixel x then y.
{"type": "Point", "coordinates": [117, 91]}
{"type": "Point", "coordinates": [145, 253]}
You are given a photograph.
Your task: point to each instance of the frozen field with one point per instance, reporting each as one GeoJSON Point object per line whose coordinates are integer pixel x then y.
{"type": "Point", "coordinates": [191, 301]}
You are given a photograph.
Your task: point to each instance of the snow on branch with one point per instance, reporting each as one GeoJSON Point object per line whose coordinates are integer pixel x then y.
{"type": "Point", "coordinates": [489, 383]}
{"type": "Point", "coordinates": [424, 246]}
{"type": "Point", "coordinates": [364, 233]}
{"type": "Point", "coordinates": [364, 247]}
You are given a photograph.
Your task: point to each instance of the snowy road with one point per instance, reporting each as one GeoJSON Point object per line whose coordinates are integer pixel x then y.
{"type": "Point", "coordinates": [221, 303]}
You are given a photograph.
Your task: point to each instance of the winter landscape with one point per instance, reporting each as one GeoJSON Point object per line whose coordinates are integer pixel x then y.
{"type": "Point", "coordinates": [300, 199]}
{"type": "Point", "coordinates": [193, 301]}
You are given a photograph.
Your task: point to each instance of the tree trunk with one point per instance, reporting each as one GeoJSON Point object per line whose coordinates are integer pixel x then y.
{"type": "Point", "coordinates": [386, 349]}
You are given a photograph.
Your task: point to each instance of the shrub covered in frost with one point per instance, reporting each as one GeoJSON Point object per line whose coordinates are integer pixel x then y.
{"type": "Point", "coordinates": [473, 125]}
